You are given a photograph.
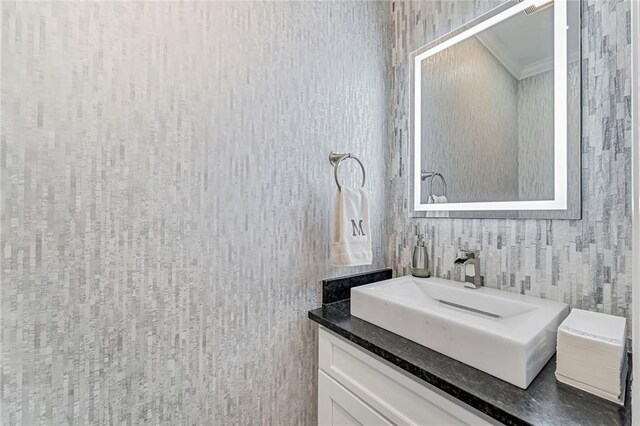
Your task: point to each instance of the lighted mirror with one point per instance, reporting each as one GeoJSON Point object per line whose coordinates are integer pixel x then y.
{"type": "Point", "coordinates": [496, 116]}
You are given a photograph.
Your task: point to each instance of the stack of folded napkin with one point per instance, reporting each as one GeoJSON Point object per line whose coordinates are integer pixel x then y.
{"type": "Point", "coordinates": [592, 354]}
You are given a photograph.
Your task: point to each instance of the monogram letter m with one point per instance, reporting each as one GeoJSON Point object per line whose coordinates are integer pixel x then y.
{"type": "Point", "coordinates": [357, 228]}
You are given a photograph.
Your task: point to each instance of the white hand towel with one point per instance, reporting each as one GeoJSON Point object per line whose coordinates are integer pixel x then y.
{"type": "Point", "coordinates": [351, 236]}
{"type": "Point", "coordinates": [437, 199]}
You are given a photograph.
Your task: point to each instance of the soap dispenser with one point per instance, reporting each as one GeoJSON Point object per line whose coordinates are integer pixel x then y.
{"type": "Point", "coordinates": [420, 262]}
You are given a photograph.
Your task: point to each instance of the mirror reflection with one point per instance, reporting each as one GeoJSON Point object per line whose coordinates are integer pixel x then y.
{"type": "Point", "coordinates": [487, 112]}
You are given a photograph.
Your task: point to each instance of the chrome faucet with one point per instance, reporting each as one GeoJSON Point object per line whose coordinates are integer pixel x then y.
{"type": "Point", "coordinates": [469, 262]}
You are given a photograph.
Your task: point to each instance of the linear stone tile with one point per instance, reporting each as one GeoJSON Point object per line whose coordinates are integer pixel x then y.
{"type": "Point", "coordinates": [586, 263]}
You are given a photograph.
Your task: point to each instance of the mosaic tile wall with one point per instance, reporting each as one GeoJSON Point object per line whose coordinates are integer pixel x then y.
{"type": "Point", "coordinates": [587, 262]}
{"type": "Point", "coordinates": [166, 199]}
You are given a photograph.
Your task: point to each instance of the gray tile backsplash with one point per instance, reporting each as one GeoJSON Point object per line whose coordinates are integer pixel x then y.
{"type": "Point", "coordinates": [586, 263]}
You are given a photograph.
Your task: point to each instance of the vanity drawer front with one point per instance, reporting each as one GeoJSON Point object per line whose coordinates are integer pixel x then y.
{"type": "Point", "coordinates": [339, 407]}
{"type": "Point", "coordinates": [400, 399]}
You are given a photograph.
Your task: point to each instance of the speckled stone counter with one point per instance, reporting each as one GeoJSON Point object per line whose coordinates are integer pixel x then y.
{"type": "Point", "coordinates": [545, 401]}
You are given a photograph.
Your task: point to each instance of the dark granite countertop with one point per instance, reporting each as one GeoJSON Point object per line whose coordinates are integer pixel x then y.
{"type": "Point", "coordinates": [545, 401]}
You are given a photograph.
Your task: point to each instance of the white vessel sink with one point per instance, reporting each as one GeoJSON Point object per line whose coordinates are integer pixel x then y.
{"type": "Point", "coordinates": [507, 335]}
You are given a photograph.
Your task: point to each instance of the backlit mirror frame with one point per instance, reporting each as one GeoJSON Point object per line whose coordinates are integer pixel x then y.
{"type": "Point", "coordinates": [566, 203]}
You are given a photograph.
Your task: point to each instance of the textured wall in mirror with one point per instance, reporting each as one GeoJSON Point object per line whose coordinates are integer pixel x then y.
{"type": "Point", "coordinates": [470, 124]}
{"type": "Point", "coordinates": [535, 135]}
{"type": "Point", "coordinates": [166, 199]}
{"type": "Point", "coordinates": [587, 262]}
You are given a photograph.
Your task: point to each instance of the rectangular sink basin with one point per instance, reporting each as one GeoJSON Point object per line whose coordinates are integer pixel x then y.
{"type": "Point", "coordinates": [508, 335]}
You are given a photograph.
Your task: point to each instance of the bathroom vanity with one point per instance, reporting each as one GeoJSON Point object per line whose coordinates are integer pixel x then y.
{"type": "Point", "coordinates": [356, 388]}
{"type": "Point", "coordinates": [368, 375]}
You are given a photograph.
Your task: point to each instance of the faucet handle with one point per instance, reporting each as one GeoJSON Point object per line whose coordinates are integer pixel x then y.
{"type": "Point", "coordinates": [471, 254]}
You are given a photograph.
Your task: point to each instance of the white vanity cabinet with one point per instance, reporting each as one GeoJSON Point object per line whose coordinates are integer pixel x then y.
{"type": "Point", "coordinates": [358, 388]}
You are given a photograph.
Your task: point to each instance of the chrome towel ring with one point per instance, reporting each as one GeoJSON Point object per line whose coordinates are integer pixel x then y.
{"type": "Point", "coordinates": [431, 176]}
{"type": "Point", "coordinates": [335, 158]}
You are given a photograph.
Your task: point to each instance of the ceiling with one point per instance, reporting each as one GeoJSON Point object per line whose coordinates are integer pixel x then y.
{"type": "Point", "coordinates": [524, 43]}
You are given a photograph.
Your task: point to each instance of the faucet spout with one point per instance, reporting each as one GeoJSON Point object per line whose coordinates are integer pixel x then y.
{"type": "Point", "coordinates": [469, 261]}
